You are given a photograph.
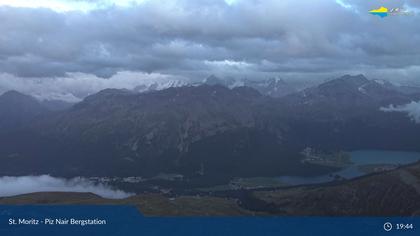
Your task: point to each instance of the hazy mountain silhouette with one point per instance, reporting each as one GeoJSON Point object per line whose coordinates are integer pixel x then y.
{"type": "Point", "coordinates": [207, 131]}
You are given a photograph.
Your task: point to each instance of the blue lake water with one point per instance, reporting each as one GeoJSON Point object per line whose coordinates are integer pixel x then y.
{"type": "Point", "coordinates": [359, 158]}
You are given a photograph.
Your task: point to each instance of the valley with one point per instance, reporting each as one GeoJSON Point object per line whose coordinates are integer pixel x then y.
{"type": "Point", "coordinates": [397, 189]}
{"type": "Point", "coordinates": [211, 145]}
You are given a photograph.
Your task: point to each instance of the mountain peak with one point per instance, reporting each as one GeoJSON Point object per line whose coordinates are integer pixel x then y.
{"type": "Point", "coordinates": [17, 109]}
{"type": "Point", "coordinates": [358, 79]}
{"type": "Point", "coordinates": [213, 80]}
{"type": "Point", "coordinates": [13, 93]}
{"type": "Point", "coordinates": [14, 96]}
{"type": "Point", "coordinates": [345, 82]}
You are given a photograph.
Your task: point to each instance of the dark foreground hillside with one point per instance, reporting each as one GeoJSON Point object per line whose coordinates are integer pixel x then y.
{"type": "Point", "coordinates": [394, 193]}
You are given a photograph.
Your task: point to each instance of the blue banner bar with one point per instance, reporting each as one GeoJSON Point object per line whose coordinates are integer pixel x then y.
{"type": "Point", "coordinates": [127, 220]}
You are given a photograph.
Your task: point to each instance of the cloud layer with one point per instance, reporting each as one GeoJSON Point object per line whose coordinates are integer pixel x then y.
{"type": "Point", "coordinates": [11, 186]}
{"type": "Point", "coordinates": [243, 38]}
{"type": "Point", "coordinates": [412, 109]}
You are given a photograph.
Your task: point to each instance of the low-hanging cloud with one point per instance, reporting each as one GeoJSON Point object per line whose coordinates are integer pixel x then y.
{"type": "Point", "coordinates": [412, 109]}
{"type": "Point", "coordinates": [12, 186]}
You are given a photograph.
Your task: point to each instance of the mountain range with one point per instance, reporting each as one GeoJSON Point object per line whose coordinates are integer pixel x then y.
{"type": "Point", "coordinates": [273, 87]}
{"type": "Point", "coordinates": [209, 132]}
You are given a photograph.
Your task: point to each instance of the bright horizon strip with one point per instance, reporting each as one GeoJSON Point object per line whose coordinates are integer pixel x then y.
{"type": "Point", "coordinates": [59, 6]}
{"type": "Point", "coordinates": [66, 6]}
{"type": "Point", "coordinates": [82, 5]}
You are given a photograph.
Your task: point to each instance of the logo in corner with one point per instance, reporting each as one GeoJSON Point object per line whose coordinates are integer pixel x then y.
{"type": "Point", "coordinates": [382, 12]}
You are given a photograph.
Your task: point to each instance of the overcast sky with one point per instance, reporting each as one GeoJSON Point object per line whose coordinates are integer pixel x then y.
{"type": "Point", "coordinates": [69, 48]}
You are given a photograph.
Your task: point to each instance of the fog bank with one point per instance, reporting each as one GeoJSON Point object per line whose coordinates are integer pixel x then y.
{"type": "Point", "coordinates": [412, 109]}
{"type": "Point", "coordinates": [11, 186]}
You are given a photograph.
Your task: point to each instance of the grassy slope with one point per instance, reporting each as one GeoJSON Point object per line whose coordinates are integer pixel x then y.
{"type": "Point", "coordinates": [151, 205]}
{"type": "Point", "coordinates": [394, 193]}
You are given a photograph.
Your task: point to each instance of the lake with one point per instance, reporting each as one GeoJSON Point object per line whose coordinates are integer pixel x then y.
{"type": "Point", "coordinates": [10, 186]}
{"type": "Point", "coordinates": [359, 158]}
